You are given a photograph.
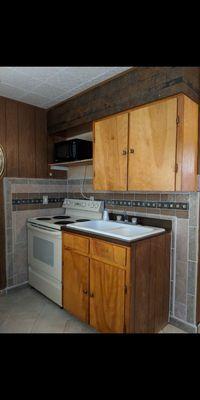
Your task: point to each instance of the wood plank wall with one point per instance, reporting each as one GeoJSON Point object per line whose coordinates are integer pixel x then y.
{"type": "Point", "coordinates": [2, 228]}
{"type": "Point", "coordinates": [23, 135]}
{"type": "Point", "coordinates": [138, 86]}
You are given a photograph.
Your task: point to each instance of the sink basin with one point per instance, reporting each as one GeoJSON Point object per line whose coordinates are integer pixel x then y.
{"type": "Point", "coordinates": [116, 230]}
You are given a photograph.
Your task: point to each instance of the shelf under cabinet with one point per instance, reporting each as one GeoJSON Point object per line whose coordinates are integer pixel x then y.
{"type": "Point", "coordinates": [65, 165]}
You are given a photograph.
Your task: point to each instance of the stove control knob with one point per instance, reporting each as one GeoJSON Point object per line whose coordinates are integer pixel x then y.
{"type": "Point", "coordinates": [68, 202]}
{"type": "Point", "coordinates": [96, 205]}
{"type": "Point", "coordinates": [83, 204]}
{"type": "Point", "coordinates": [92, 205]}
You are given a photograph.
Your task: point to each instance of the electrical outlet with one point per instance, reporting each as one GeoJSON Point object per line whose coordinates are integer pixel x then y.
{"type": "Point", "coordinates": [45, 200]}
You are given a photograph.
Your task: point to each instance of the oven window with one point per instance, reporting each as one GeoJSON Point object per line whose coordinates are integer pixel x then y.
{"type": "Point", "coordinates": [43, 250]}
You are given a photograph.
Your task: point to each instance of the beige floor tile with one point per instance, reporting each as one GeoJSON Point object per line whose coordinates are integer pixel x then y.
{"type": "Point", "coordinates": [3, 316]}
{"type": "Point", "coordinates": [75, 326]}
{"type": "Point", "coordinates": [16, 325]}
{"type": "Point", "coordinates": [172, 329]}
{"type": "Point", "coordinates": [46, 326]}
{"type": "Point", "coordinates": [25, 310]}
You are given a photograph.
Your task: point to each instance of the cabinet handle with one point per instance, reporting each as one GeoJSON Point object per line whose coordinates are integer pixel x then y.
{"type": "Point", "coordinates": [91, 294]}
{"type": "Point", "coordinates": [85, 291]}
{"type": "Point", "coordinates": [124, 152]}
{"type": "Point", "coordinates": [131, 151]}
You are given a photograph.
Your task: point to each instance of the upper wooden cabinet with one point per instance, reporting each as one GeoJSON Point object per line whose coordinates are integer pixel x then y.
{"type": "Point", "coordinates": [152, 144]}
{"type": "Point", "coordinates": [110, 153]}
{"type": "Point", "coordinates": [149, 148]}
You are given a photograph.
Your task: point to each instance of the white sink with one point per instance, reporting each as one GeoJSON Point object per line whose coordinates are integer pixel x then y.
{"type": "Point", "coordinates": [116, 230]}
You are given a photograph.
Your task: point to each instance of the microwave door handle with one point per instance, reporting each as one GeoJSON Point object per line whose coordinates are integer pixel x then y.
{"type": "Point", "coordinates": [50, 232]}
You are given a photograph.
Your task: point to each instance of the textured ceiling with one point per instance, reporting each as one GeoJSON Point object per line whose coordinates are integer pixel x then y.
{"type": "Point", "coordinates": [46, 86]}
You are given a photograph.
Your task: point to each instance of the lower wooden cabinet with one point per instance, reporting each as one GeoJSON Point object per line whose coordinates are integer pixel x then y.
{"type": "Point", "coordinates": [107, 292]}
{"type": "Point", "coordinates": [76, 284]}
{"type": "Point", "coordinates": [132, 297]}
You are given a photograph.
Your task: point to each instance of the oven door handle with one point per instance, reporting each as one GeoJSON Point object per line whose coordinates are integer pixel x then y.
{"type": "Point", "coordinates": [42, 229]}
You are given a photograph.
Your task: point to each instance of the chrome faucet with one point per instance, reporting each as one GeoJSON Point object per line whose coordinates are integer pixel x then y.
{"type": "Point", "coordinates": [125, 217]}
{"type": "Point", "coordinates": [105, 215]}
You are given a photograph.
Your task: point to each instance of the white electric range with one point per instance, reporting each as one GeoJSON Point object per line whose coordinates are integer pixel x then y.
{"type": "Point", "coordinates": [45, 244]}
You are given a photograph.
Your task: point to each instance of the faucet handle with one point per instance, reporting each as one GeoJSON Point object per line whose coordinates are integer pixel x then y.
{"type": "Point", "coordinates": [105, 215]}
{"type": "Point", "coordinates": [125, 216]}
{"type": "Point", "coordinates": [134, 220]}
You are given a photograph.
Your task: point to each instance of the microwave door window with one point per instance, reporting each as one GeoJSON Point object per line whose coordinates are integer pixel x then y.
{"type": "Point", "coordinates": [69, 155]}
{"type": "Point", "coordinates": [74, 150]}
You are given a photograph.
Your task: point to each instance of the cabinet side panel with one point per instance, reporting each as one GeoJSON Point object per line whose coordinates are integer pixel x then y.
{"type": "Point", "coordinates": [147, 306]}
{"type": "Point", "coordinates": [160, 269]}
{"type": "Point", "coordinates": [190, 145]}
{"type": "Point", "coordinates": [140, 299]}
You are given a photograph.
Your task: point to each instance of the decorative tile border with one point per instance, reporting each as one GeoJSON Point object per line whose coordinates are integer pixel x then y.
{"type": "Point", "coordinates": [151, 204]}
{"type": "Point", "coordinates": [16, 202]}
{"type": "Point", "coordinates": [29, 199]}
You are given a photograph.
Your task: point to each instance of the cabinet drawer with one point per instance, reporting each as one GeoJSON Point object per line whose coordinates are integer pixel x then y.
{"type": "Point", "coordinates": [108, 252]}
{"type": "Point", "coordinates": [76, 242]}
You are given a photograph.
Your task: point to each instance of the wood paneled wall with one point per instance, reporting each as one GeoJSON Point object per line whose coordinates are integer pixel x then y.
{"type": "Point", "coordinates": [23, 135]}
{"type": "Point", "coordinates": [2, 227]}
{"type": "Point", "coordinates": [138, 86]}
{"type": "Point", "coordinates": [25, 141]}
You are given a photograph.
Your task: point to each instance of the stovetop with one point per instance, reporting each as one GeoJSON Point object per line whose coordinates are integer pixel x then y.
{"type": "Point", "coordinates": [75, 211]}
{"type": "Point", "coordinates": [56, 221]}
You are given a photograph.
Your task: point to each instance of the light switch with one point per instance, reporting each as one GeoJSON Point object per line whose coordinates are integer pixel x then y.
{"type": "Point", "coordinates": [45, 200]}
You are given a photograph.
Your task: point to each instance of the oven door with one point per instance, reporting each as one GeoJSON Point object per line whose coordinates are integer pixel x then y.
{"type": "Point", "coordinates": [45, 251]}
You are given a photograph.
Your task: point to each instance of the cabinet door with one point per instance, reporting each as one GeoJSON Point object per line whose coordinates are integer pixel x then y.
{"type": "Point", "coordinates": [76, 284]}
{"type": "Point", "coordinates": [110, 153]}
{"type": "Point", "coordinates": [152, 147]}
{"type": "Point", "coordinates": [107, 285]}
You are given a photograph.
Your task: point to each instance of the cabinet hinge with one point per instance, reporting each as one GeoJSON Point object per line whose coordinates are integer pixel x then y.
{"type": "Point", "coordinates": [176, 167]}
{"type": "Point", "coordinates": [177, 120]}
{"type": "Point", "coordinates": [125, 289]}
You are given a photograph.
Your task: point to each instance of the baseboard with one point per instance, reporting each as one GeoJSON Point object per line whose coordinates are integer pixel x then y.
{"type": "Point", "coordinates": [185, 326]}
{"type": "Point", "coordinates": [16, 286]}
{"type": "Point", "coordinates": [3, 292]}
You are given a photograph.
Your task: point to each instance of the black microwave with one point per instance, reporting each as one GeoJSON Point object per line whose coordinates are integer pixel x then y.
{"type": "Point", "coordinates": [72, 150]}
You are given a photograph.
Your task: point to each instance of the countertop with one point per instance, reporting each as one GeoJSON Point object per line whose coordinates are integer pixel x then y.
{"type": "Point", "coordinates": [109, 238]}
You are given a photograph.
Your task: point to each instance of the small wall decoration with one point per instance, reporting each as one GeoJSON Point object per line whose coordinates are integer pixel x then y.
{"type": "Point", "coordinates": [2, 161]}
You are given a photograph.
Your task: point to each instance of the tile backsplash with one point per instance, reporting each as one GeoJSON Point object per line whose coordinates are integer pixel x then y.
{"type": "Point", "coordinates": [23, 199]}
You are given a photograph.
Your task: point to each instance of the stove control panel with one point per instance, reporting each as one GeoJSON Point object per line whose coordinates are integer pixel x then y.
{"type": "Point", "coordinates": [88, 205]}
